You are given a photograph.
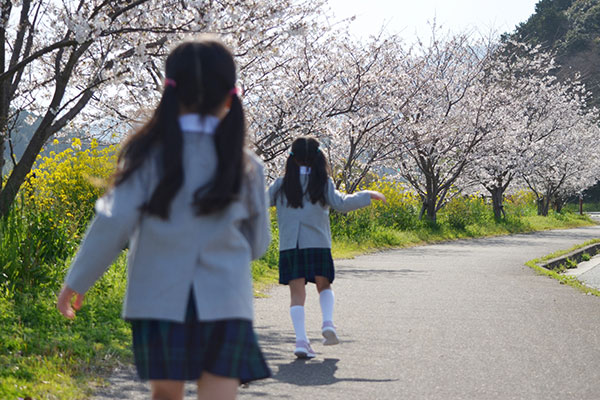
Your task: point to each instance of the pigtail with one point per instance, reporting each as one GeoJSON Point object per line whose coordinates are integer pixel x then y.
{"type": "Point", "coordinates": [319, 177]}
{"type": "Point", "coordinates": [171, 155]}
{"type": "Point", "coordinates": [141, 144]}
{"type": "Point", "coordinates": [229, 142]}
{"type": "Point", "coordinates": [291, 187]}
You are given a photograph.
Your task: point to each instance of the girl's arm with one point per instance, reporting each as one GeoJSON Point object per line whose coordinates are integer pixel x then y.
{"type": "Point", "coordinates": [348, 202]}
{"type": "Point", "coordinates": [271, 193]}
{"type": "Point", "coordinates": [257, 228]}
{"type": "Point", "coordinates": [376, 195]}
{"type": "Point", "coordinates": [117, 214]}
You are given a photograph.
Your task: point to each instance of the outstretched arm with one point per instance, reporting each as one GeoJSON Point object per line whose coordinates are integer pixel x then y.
{"type": "Point", "coordinates": [376, 195]}
{"type": "Point", "coordinates": [117, 214]}
{"type": "Point", "coordinates": [346, 202]}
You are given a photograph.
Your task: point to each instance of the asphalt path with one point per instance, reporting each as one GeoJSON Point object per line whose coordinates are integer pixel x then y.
{"type": "Point", "coordinates": [458, 320]}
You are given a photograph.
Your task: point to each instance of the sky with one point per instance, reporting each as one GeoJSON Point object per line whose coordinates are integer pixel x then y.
{"type": "Point", "coordinates": [411, 18]}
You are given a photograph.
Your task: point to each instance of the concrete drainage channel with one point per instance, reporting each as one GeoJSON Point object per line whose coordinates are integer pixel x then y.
{"type": "Point", "coordinates": [580, 263]}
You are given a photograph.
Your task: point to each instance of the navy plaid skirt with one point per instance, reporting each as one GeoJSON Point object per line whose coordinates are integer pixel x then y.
{"type": "Point", "coordinates": [305, 263]}
{"type": "Point", "coordinates": [183, 350]}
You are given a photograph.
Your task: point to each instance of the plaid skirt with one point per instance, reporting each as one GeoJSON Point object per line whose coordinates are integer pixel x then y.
{"type": "Point", "coordinates": [183, 350]}
{"type": "Point", "coordinates": [305, 263]}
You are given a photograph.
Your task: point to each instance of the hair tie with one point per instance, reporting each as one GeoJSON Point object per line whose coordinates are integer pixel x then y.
{"type": "Point", "coordinates": [237, 91]}
{"type": "Point", "coordinates": [170, 82]}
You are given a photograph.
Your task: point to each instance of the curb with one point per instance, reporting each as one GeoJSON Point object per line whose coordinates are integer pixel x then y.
{"type": "Point", "coordinates": [576, 256]}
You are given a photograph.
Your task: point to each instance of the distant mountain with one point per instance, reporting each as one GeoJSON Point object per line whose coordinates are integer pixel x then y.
{"type": "Point", "coordinates": [570, 29]}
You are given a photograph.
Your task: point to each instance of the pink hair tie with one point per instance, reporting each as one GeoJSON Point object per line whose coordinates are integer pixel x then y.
{"type": "Point", "coordinates": [170, 82]}
{"type": "Point", "coordinates": [236, 91]}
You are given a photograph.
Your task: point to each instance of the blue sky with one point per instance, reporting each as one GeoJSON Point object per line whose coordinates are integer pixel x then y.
{"type": "Point", "coordinates": [410, 18]}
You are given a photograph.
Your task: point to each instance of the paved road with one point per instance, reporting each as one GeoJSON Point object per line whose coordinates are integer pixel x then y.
{"type": "Point", "coordinates": [458, 320]}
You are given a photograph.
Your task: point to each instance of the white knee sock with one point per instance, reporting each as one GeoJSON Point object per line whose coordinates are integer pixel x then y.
{"type": "Point", "coordinates": [326, 299]}
{"type": "Point", "coordinates": [297, 314]}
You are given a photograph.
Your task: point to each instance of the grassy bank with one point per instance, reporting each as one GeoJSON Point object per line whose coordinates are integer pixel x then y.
{"type": "Point", "coordinates": [45, 356]}
{"type": "Point", "coordinates": [382, 237]}
{"type": "Point", "coordinates": [562, 278]}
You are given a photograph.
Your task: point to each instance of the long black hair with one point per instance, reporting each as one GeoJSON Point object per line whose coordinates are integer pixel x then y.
{"type": "Point", "coordinates": [305, 152]}
{"type": "Point", "coordinates": [200, 76]}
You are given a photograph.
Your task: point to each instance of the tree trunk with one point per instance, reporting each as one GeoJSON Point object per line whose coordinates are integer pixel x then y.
{"type": "Point", "coordinates": [543, 205]}
{"type": "Point", "coordinates": [6, 6]}
{"type": "Point", "coordinates": [431, 212]}
{"type": "Point", "coordinates": [497, 202]}
{"type": "Point", "coordinates": [559, 203]}
{"type": "Point", "coordinates": [429, 207]}
{"type": "Point", "coordinates": [559, 206]}
{"type": "Point", "coordinates": [20, 171]}
{"type": "Point", "coordinates": [423, 207]}
{"type": "Point", "coordinates": [429, 199]}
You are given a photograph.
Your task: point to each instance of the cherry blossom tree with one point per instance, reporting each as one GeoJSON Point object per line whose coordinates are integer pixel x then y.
{"type": "Point", "coordinates": [564, 163]}
{"type": "Point", "coordinates": [518, 86]}
{"type": "Point", "coordinates": [78, 62]}
{"type": "Point", "coordinates": [540, 128]}
{"type": "Point", "coordinates": [286, 97]}
{"type": "Point", "coordinates": [349, 94]}
{"type": "Point", "coordinates": [366, 112]}
{"type": "Point", "coordinates": [445, 120]}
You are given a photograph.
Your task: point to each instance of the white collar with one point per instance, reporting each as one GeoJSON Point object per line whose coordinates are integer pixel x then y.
{"type": "Point", "coordinates": [197, 123]}
{"type": "Point", "coordinates": [304, 170]}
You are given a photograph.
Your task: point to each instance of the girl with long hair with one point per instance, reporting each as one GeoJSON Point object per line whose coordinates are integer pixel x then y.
{"type": "Point", "coordinates": [303, 197]}
{"type": "Point", "coordinates": [189, 199]}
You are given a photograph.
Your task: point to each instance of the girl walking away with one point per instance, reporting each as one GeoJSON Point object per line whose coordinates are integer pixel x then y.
{"type": "Point", "coordinates": [190, 201]}
{"type": "Point", "coordinates": [303, 198]}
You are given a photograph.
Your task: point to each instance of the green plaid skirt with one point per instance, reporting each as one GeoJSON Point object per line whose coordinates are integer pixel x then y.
{"type": "Point", "coordinates": [305, 263]}
{"type": "Point", "coordinates": [182, 351]}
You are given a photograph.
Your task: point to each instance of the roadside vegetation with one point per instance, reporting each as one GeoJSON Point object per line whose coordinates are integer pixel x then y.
{"type": "Point", "coordinates": [558, 273]}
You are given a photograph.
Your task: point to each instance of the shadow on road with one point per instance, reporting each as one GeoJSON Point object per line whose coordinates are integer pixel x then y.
{"type": "Point", "coordinates": [315, 373]}
{"type": "Point", "coordinates": [376, 273]}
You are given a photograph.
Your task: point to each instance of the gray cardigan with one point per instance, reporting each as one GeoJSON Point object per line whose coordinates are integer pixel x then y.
{"type": "Point", "coordinates": [210, 253]}
{"type": "Point", "coordinates": [309, 227]}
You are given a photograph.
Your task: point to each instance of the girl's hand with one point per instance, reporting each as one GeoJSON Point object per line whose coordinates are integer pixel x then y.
{"type": "Point", "coordinates": [65, 297]}
{"type": "Point", "coordinates": [377, 196]}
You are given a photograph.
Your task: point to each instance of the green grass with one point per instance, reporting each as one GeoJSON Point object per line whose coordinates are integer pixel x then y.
{"type": "Point", "coordinates": [563, 279]}
{"type": "Point", "coordinates": [559, 253]}
{"type": "Point", "coordinates": [45, 356]}
{"type": "Point", "coordinates": [378, 238]}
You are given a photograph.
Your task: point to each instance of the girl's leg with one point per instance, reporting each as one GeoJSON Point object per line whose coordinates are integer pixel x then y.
{"type": "Point", "coordinates": [166, 389]}
{"type": "Point", "coordinates": [298, 296]}
{"type": "Point", "coordinates": [322, 283]}
{"type": "Point", "coordinates": [297, 291]}
{"type": "Point", "coordinates": [326, 300]}
{"type": "Point", "coordinates": [213, 387]}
